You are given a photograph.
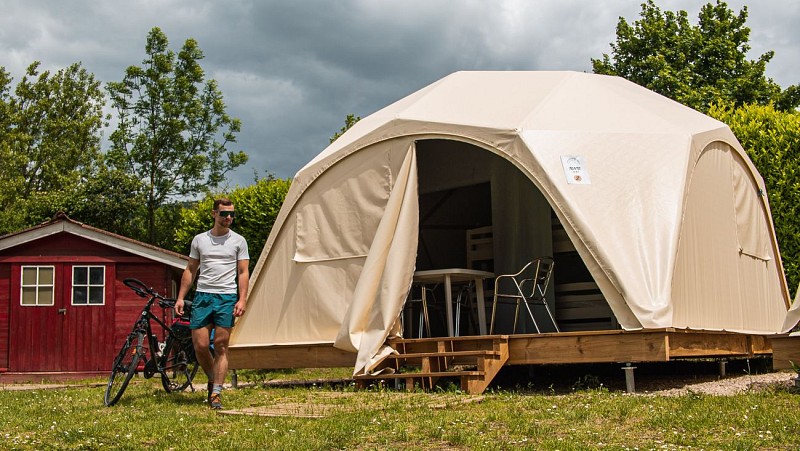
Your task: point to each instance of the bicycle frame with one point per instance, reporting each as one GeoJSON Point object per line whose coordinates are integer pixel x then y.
{"type": "Point", "coordinates": [174, 359]}
{"type": "Point", "coordinates": [156, 348]}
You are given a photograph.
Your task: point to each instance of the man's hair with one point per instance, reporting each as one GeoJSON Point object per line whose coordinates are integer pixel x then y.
{"type": "Point", "coordinates": [222, 201]}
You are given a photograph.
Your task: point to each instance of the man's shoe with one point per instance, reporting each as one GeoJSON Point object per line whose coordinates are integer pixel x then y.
{"type": "Point", "coordinates": [216, 402]}
{"type": "Point", "coordinates": [210, 390]}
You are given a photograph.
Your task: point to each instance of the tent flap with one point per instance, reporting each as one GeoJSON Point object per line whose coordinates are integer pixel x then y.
{"type": "Point", "coordinates": [382, 286]}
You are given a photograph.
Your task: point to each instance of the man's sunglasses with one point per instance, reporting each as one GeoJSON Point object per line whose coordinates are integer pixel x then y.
{"type": "Point", "coordinates": [225, 214]}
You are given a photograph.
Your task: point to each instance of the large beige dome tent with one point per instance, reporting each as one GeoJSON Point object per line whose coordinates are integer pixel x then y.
{"type": "Point", "coordinates": [659, 203]}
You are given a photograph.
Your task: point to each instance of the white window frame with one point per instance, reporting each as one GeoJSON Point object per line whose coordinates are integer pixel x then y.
{"type": "Point", "coordinates": [88, 285]}
{"type": "Point", "coordinates": [37, 285]}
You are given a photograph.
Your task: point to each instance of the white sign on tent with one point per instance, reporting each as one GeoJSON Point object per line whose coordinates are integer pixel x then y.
{"type": "Point", "coordinates": [575, 170]}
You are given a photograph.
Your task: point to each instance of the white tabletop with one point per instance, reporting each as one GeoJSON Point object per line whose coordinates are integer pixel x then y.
{"type": "Point", "coordinates": [457, 275]}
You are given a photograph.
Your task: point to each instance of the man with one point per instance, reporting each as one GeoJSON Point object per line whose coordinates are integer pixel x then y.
{"type": "Point", "coordinates": [219, 257]}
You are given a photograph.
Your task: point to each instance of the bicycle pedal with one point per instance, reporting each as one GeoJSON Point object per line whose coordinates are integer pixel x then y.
{"type": "Point", "coordinates": [150, 368]}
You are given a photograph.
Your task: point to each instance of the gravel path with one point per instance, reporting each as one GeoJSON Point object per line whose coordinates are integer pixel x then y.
{"type": "Point", "coordinates": [726, 386]}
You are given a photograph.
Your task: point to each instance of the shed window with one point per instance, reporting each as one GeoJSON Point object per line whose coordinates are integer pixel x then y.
{"type": "Point", "coordinates": [88, 285]}
{"type": "Point", "coordinates": [37, 285]}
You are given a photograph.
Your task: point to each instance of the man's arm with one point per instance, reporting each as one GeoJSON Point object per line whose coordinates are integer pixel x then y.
{"type": "Point", "coordinates": [187, 278]}
{"type": "Point", "coordinates": [244, 282]}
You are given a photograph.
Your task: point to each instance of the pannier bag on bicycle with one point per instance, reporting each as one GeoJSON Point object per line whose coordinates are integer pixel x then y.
{"type": "Point", "coordinates": [180, 329]}
{"type": "Point", "coordinates": [180, 326]}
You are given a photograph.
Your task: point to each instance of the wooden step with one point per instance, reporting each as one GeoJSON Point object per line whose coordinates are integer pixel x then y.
{"type": "Point", "coordinates": [417, 355]}
{"type": "Point", "coordinates": [419, 375]}
{"type": "Point", "coordinates": [463, 338]}
{"type": "Point", "coordinates": [439, 357]}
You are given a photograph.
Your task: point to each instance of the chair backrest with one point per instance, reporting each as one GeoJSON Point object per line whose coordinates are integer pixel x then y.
{"type": "Point", "coordinates": [480, 248]}
{"type": "Point", "coordinates": [542, 268]}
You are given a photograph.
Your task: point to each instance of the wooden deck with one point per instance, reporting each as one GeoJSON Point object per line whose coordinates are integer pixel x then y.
{"type": "Point", "coordinates": [785, 350]}
{"type": "Point", "coordinates": [533, 349]}
{"type": "Point", "coordinates": [541, 349]}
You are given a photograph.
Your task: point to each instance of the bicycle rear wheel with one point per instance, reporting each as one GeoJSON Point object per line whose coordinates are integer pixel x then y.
{"type": "Point", "coordinates": [178, 365]}
{"type": "Point", "coordinates": [124, 368]}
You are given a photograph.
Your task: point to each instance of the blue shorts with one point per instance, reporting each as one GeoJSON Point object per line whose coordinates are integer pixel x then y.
{"type": "Point", "coordinates": [212, 309]}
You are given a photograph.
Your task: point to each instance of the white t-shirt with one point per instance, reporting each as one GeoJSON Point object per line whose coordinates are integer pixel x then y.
{"type": "Point", "coordinates": [218, 257]}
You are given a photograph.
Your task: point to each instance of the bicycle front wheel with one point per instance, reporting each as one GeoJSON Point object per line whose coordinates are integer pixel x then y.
{"type": "Point", "coordinates": [124, 368]}
{"type": "Point", "coordinates": [178, 365]}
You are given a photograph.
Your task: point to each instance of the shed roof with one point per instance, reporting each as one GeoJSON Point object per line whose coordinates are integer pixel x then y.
{"type": "Point", "coordinates": [61, 223]}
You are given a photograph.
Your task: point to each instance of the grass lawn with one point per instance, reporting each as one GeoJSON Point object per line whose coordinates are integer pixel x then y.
{"type": "Point", "coordinates": [325, 418]}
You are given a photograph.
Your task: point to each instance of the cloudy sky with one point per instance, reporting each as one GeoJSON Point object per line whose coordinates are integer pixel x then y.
{"type": "Point", "coordinates": [293, 70]}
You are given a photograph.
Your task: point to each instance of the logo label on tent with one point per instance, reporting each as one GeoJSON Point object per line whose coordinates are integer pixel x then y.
{"type": "Point", "coordinates": [574, 170]}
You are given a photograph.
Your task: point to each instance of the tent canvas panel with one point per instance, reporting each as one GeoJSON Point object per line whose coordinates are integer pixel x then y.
{"type": "Point", "coordinates": [716, 280]}
{"type": "Point", "coordinates": [306, 301]}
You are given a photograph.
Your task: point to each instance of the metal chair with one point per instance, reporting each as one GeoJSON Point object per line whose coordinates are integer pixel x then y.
{"type": "Point", "coordinates": [424, 318]}
{"type": "Point", "coordinates": [514, 288]}
{"type": "Point", "coordinates": [464, 300]}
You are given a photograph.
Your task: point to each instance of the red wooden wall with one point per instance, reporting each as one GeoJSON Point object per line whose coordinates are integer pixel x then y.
{"type": "Point", "coordinates": [129, 305]}
{"type": "Point", "coordinates": [85, 338]}
{"type": "Point", "coordinates": [5, 294]}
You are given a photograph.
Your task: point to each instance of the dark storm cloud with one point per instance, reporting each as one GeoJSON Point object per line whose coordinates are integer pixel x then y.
{"type": "Point", "coordinates": [292, 71]}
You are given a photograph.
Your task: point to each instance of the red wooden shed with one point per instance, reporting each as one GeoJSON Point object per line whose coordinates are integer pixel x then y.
{"type": "Point", "coordinates": [64, 310]}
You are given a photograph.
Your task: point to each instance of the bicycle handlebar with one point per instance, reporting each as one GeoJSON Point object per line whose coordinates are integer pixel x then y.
{"type": "Point", "coordinates": [144, 291]}
{"type": "Point", "coordinates": [170, 303]}
{"type": "Point", "coordinates": [139, 287]}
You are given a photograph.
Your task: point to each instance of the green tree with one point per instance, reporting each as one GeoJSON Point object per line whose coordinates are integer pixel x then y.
{"type": "Point", "coordinates": [6, 126]}
{"type": "Point", "coordinates": [257, 206]}
{"type": "Point", "coordinates": [111, 200]}
{"type": "Point", "coordinates": [349, 121]}
{"type": "Point", "coordinates": [772, 140]}
{"type": "Point", "coordinates": [49, 140]}
{"type": "Point", "coordinates": [694, 65]}
{"type": "Point", "coordinates": [173, 131]}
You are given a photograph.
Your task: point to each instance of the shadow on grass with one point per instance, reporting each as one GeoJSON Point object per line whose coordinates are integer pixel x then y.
{"type": "Point", "coordinates": [649, 376]}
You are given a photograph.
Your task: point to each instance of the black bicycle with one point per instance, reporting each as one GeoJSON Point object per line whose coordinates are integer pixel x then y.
{"type": "Point", "coordinates": [173, 359]}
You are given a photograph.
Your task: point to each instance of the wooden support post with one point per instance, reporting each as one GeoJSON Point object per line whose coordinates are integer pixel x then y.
{"type": "Point", "coordinates": [722, 364]}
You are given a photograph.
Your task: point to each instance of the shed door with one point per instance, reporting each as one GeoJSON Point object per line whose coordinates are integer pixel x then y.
{"type": "Point", "coordinates": [61, 317]}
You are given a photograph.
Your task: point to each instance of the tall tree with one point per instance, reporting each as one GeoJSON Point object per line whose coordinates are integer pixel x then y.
{"type": "Point", "coordinates": [111, 200]}
{"type": "Point", "coordinates": [6, 130]}
{"type": "Point", "coordinates": [694, 65]}
{"type": "Point", "coordinates": [49, 137]}
{"type": "Point", "coordinates": [173, 131]}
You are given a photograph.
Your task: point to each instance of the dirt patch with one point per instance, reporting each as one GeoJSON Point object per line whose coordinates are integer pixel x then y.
{"type": "Point", "coordinates": [324, 404]}
{"type": "Point", "coordinates": [16, 387]}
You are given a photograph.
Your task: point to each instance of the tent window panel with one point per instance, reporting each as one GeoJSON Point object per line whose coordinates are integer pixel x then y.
{"type": "Point", "coordinates": [341, 221]}
{"type": "Point", "coordinates": [751, 224]}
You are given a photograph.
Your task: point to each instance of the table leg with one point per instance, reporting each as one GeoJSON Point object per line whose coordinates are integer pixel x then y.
{"type": "Point", "coordinates": [425, 316]}
{"type": "Point", "coordinates": [448, 299]}
{"type": "Point", "coordinates": [481, 306]}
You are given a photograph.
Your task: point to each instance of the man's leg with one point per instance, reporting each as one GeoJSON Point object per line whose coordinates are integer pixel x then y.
{"type": "Point", "coordinates": [223, 321]}
{"type": "Point", "coordinates": [202, 341]}
{"type": "Point", "coordinates": [221, 337]}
